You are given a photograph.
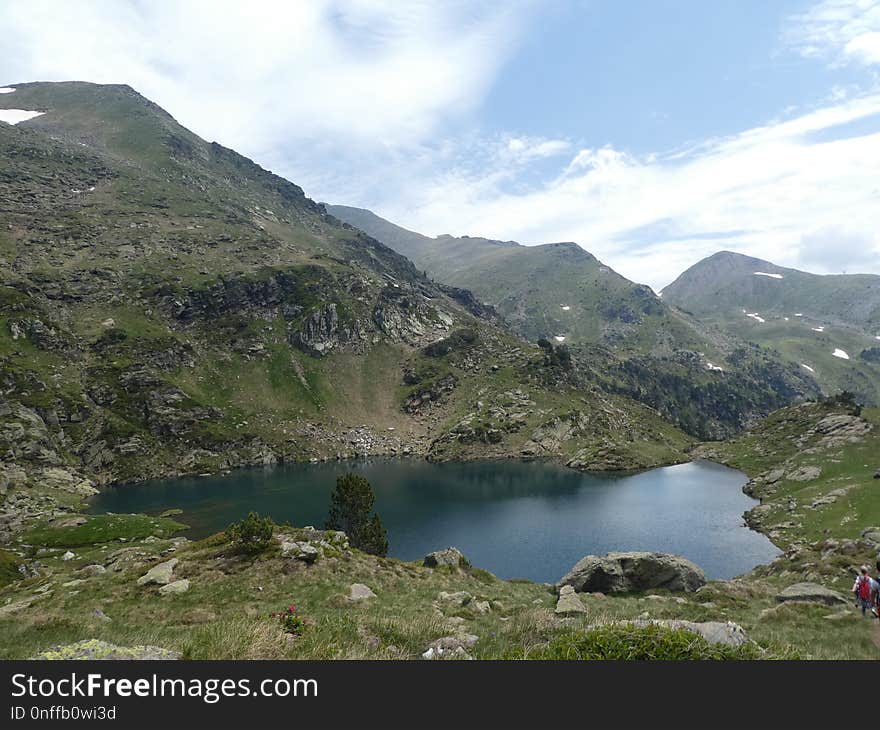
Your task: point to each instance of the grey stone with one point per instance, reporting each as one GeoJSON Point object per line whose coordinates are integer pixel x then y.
{"type": "Point", "coordinates": [161, 574]}
{"type": "Point", "coordinates": [624, 572]}
{"type": "Point", "coordinates": [569, 602]}
{"type": "Point", "coordinates": [360, 592]}
{"type": "Point", "coordinates": [68, 556]}
{"type": "Point", "coordinates": [812, 593]}
{"type": "Point", "coordinates": [178, 586]}
{"type": "Point", "coordinates": [300, 550]}
{"type": "Point", "coordinates": [93, 569]}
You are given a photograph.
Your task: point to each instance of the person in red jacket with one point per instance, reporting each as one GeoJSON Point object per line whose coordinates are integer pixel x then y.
{"type": "Point", "coordinates": [865, 589]}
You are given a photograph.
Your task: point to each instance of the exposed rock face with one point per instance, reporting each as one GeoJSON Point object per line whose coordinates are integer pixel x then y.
{"type": "Point", "coordinates": [569, 602]}
{"type": "Point", "coordinates": [633, 571]}
{"type": "Point", "coordinates": [95, 649]}
{"type": "Point", "coordinates": [450, 557]}
{"type": "Point", "coordinates": [811, 593]}
{"type": "Point", "coordinates": [161, 574]}
{"type": "Point", "coordinates": [322, 331]}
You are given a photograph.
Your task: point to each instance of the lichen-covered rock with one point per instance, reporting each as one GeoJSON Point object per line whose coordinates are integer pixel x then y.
{"type": "Point", "coordinates": [633, 571]}
{"type": "Point", "coordinates": [93, 649]}
{"type": "Point", "coordinates": [450, 557]}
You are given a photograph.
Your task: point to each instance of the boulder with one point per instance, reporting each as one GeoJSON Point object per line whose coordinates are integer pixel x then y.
{"type": "Point", "coordinates": [360, 592]}
{"type": "Point", "coordinates": [450, 557]}
{"type": "Point", "coordinates": [633, 571]}
{"type": "Point", "coordinates": [68, 556]}
{"type": "Point", "coordinates": [569, 602]}
{"type": "Point", "coordinates": [877, 474]}
{"type": "Point", "coordinates": [811, 593]}
{"type": "Point", "coordinates": [93, 569]}
{"type": "Point", "coordinates": [161, 574]}
{"type": "Point", "coordinates": [96, 649]}
{"type": "Point", "coordinates": [178, 586]}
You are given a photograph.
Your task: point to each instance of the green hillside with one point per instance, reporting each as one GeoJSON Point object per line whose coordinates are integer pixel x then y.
{"type": "Point", "coordinates": [805, 318]}
{"type": "Point", "coordinates": [167, 307]}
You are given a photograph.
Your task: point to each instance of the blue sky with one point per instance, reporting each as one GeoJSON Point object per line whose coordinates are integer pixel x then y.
{"type": "Point", "coordinates": [652, 132]}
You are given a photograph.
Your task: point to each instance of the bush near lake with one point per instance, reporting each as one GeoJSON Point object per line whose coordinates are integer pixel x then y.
{"type": "Point", "coordinates": [252, 534]}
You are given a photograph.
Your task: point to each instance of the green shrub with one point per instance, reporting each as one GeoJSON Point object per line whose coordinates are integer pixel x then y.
{"type": "Point", "coordinates": [252, 534]}
{"type": "Point", "coordinates": [628, 642]}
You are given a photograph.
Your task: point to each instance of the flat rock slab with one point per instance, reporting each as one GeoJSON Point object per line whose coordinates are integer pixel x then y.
{"type": "Point", "coordinates": [161, 574]}
{"type": "Point", "coordinates": [97, 649]}
{"type": "Point", "coordinates": [811, 593]}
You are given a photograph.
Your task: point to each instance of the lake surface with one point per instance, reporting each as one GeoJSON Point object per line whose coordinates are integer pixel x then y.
{"type": "Point", "coordinates": [516, 519]}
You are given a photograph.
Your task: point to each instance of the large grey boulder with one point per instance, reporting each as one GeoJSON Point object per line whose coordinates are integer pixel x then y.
{"type": "Point", "coordinates": [450, 557]}
{"type": "Point", "coordinates": [811, 593]}
{"type": "Point", "coordinates": [633, 571]}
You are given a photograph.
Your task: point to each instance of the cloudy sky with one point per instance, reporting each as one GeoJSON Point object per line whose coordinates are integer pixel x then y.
{"type": "Point", "coordinates": [651, 132]}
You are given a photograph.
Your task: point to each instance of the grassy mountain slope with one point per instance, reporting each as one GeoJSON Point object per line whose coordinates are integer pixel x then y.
{"type": "Point", "coordinates": [167, 306]}
{"type": "Point", "coordinates": [531, 286]}
{"type": "Point", "coordinates": [806, 317]}
{"type": "Point", "coordinates": [705, 380]}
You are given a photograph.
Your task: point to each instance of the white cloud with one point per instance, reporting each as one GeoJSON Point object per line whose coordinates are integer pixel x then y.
{"type": "Point", "coordinates": [843, 31]}
{"type": "Point", "coordinates": [774, 192]}
{"type": "Point", "coordinates": [270, 76]}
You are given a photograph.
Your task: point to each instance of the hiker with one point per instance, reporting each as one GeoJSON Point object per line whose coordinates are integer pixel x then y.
{"type": "Point", "coordinates": [865, 590]}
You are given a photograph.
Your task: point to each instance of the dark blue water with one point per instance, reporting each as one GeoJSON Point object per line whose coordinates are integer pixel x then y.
{"type": "Point", "coordinates": [516, 519]}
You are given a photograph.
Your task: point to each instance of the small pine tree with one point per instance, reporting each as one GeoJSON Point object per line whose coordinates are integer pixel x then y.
{"type": "Point", "coordinates": [350, 505]}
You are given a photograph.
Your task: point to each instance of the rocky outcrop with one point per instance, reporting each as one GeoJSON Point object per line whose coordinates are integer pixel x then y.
{"type": "Point", "coordinates": [450, 557]}
{"type": "Point", "coordinates": [811, 593]}
{"type": "Point", "coordinates": [633, 571]}
{"type": "Point", "coordinates": [323, 330]}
